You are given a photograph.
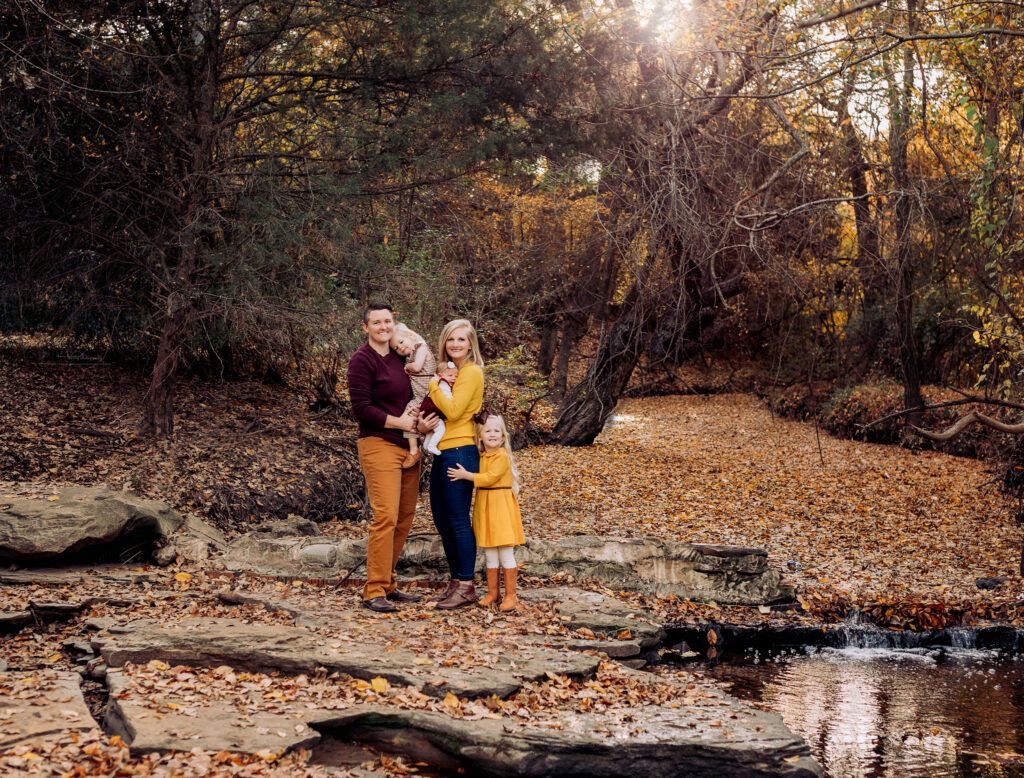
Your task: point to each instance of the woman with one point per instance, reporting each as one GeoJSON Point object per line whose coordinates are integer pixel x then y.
{"type": "Point", "coordinates": [379, 390]}
{"type": "Point", "coordinates": [450, 500]}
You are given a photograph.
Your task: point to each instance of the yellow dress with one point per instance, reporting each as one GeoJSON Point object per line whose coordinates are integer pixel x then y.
{"type": "Point", "coordinates": [496, 517]}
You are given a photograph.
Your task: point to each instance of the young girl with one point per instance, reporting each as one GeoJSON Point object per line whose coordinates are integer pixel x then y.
{"type": "Point", "coordinates": [497, 523]}
{"type": "Point", "coordinates": [420, 366]}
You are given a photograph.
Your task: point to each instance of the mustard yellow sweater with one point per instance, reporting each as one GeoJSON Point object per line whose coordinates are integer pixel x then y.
{"type": "Point", "coordinates": [466, 400]}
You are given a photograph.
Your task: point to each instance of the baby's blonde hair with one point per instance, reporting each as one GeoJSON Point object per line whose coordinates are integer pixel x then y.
{"type": "Point", "coordinates": [474, 354]}
{"type": "Point", "coordinates": [506, 443]}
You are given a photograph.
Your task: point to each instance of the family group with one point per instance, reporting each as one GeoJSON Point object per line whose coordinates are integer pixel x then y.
{"type": "Point", "coordinates": [400, 392]}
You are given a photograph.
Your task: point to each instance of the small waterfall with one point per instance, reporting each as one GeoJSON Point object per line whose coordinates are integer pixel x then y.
{"type": "Point", "coordinates": [856, 634]}
{"type": "Point", "coordinates": [963, 637]}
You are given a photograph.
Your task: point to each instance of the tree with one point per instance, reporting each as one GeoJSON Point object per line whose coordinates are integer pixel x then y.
{"type": "Point", "coordinates": [681, 163]}
{"type": "Point", "coordinates": [224, 136]}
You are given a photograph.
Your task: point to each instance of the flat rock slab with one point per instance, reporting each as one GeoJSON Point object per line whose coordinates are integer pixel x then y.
{"type": "Point", "coordinates": [69, 576]}
{"type": "Point", "coordinates": [293, 650]}
{"type": "Point", "coordinates": [604, 616]}
{"type": "Point", "coordinates": [39, 705]}
{"type": "Point", "coordinates": [734, 575]}
{"type": "Point", "coordinates": [719, 738]}
{"type": "Point", "coordinates": [12, 621]}
{"type": "Point", "coordinates": [614, 649]}
{"type": "Point", "coordinates": [78, 518]}
{"type": "Point", "coordinates": [213, 726]}
{"type": "Point", "coordinates": [531, 665]}
{"type": "Point", "coordinates": [654, 742]}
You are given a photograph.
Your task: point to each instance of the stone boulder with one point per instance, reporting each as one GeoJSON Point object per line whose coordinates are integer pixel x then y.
{"type": "Point", "coordinates": [268, 553]}
{"type": "Point", "coordinates": [96, 523]}
{"type": "Point", "coordinates": [653, 741]}
{"type": "Point", "coordinates": [305, 557]}
{"type": "Point", "coordinates": [730, 575]}
{"type": "Point", "coordinates": [80, 518]}
{"type": "Point", "coordinates": [192, 543]}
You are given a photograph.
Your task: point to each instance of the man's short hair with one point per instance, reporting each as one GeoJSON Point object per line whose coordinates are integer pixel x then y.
{"type": "Point", "coordinates": [375, 307]}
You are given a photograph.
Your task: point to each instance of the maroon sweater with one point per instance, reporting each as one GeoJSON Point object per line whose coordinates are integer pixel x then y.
{"type": "Point", "coordinates": [378, 387]}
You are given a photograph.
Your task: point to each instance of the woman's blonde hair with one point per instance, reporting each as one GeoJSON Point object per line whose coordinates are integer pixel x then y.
{"type": "Point", "coordinates": [506, 444]}
{"type": "Point", "coordinates": [474, 354]}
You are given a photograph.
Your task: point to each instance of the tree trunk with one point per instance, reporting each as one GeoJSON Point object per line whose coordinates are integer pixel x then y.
{"type": "Point", "coordinates": [158, 406]}
{"type": "Point", "coordinates": [909, 358]}
{"type": "Point", "coordinates": [589, 404]}
{"type": "Point", "coordinates": [899, 141]}
{"type": "Point", "coordinates": [573, 328]}
{"type": "Point", "coordinates": [183, 278]}
{"type": "Point", "coordinates": [869, 266]}
{"type": "Point", "coordinates": [548, 343]}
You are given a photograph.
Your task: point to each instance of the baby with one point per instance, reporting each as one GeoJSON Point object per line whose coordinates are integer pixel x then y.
{"type": "Point", "coordinates": [420, 365]}
{"type": "Point", "coordinates": [447, 375]}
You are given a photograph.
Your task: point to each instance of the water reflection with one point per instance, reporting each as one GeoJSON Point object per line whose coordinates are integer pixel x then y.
{"type": "Point", "coordinates": [895, 714]}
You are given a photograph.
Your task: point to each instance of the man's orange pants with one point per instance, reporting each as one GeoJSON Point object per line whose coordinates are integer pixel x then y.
{"type": "Point", "coordinates": [392, 492]}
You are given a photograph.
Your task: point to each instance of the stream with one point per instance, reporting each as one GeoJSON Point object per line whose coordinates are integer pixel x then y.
{"type": "Point", "coordinates": [884, 713]}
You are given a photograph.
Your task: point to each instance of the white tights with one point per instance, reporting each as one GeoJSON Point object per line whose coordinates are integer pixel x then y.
{"type": "Point", "coordinates": [505, 554]}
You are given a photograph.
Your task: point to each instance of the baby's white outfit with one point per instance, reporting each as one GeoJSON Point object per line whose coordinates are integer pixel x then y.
{"type": "Point", "coordinates": [432, 438]}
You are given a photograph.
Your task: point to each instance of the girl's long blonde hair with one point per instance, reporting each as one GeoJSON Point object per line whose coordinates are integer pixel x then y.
{"type": "Point", "coordinates": [474, 354]}
{"type": "Point", "coordinates": [506, 444]}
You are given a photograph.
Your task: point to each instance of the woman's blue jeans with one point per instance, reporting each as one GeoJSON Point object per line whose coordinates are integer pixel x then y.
{"type": "Point", "coordinates": [450, 502]}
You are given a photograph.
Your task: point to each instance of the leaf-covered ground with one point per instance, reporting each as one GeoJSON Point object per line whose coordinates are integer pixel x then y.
{"type": "Point", "coordinates": [901, 534]}
{"type": "Point", "coordinates": [243, 450]}
{"type": "Point", "coordinates": [848, 522]}
{"type": "Point", "coordinates": [467, 639]}
{"type": "Point", "coordinates": [843, 519]}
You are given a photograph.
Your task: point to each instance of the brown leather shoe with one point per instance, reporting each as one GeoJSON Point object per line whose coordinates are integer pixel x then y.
{"type": "Point", "coordinates": [464, 594]}
{"type": "Point", "coordinates": [445, 592]}
{"type": "Point", "coordinates": [399, 596]}
{"type": "Point", "coordinates": [379, 604]}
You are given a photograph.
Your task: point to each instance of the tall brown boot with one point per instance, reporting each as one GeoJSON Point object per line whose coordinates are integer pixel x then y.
{"type": "Point", "coordinates": [510, 602]}
{"type": "Point", "coordinates": [492, 588]}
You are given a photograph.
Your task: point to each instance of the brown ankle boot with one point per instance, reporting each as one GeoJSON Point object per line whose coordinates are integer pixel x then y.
{"type": "Point", "coordinates": [464, 594]}
{"type": "Point", "coordinates": [445, 592]}
{"type": "Point", "coordinates": [492, 588]}
{"type": "Point", "coordinates": [510, 601]}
